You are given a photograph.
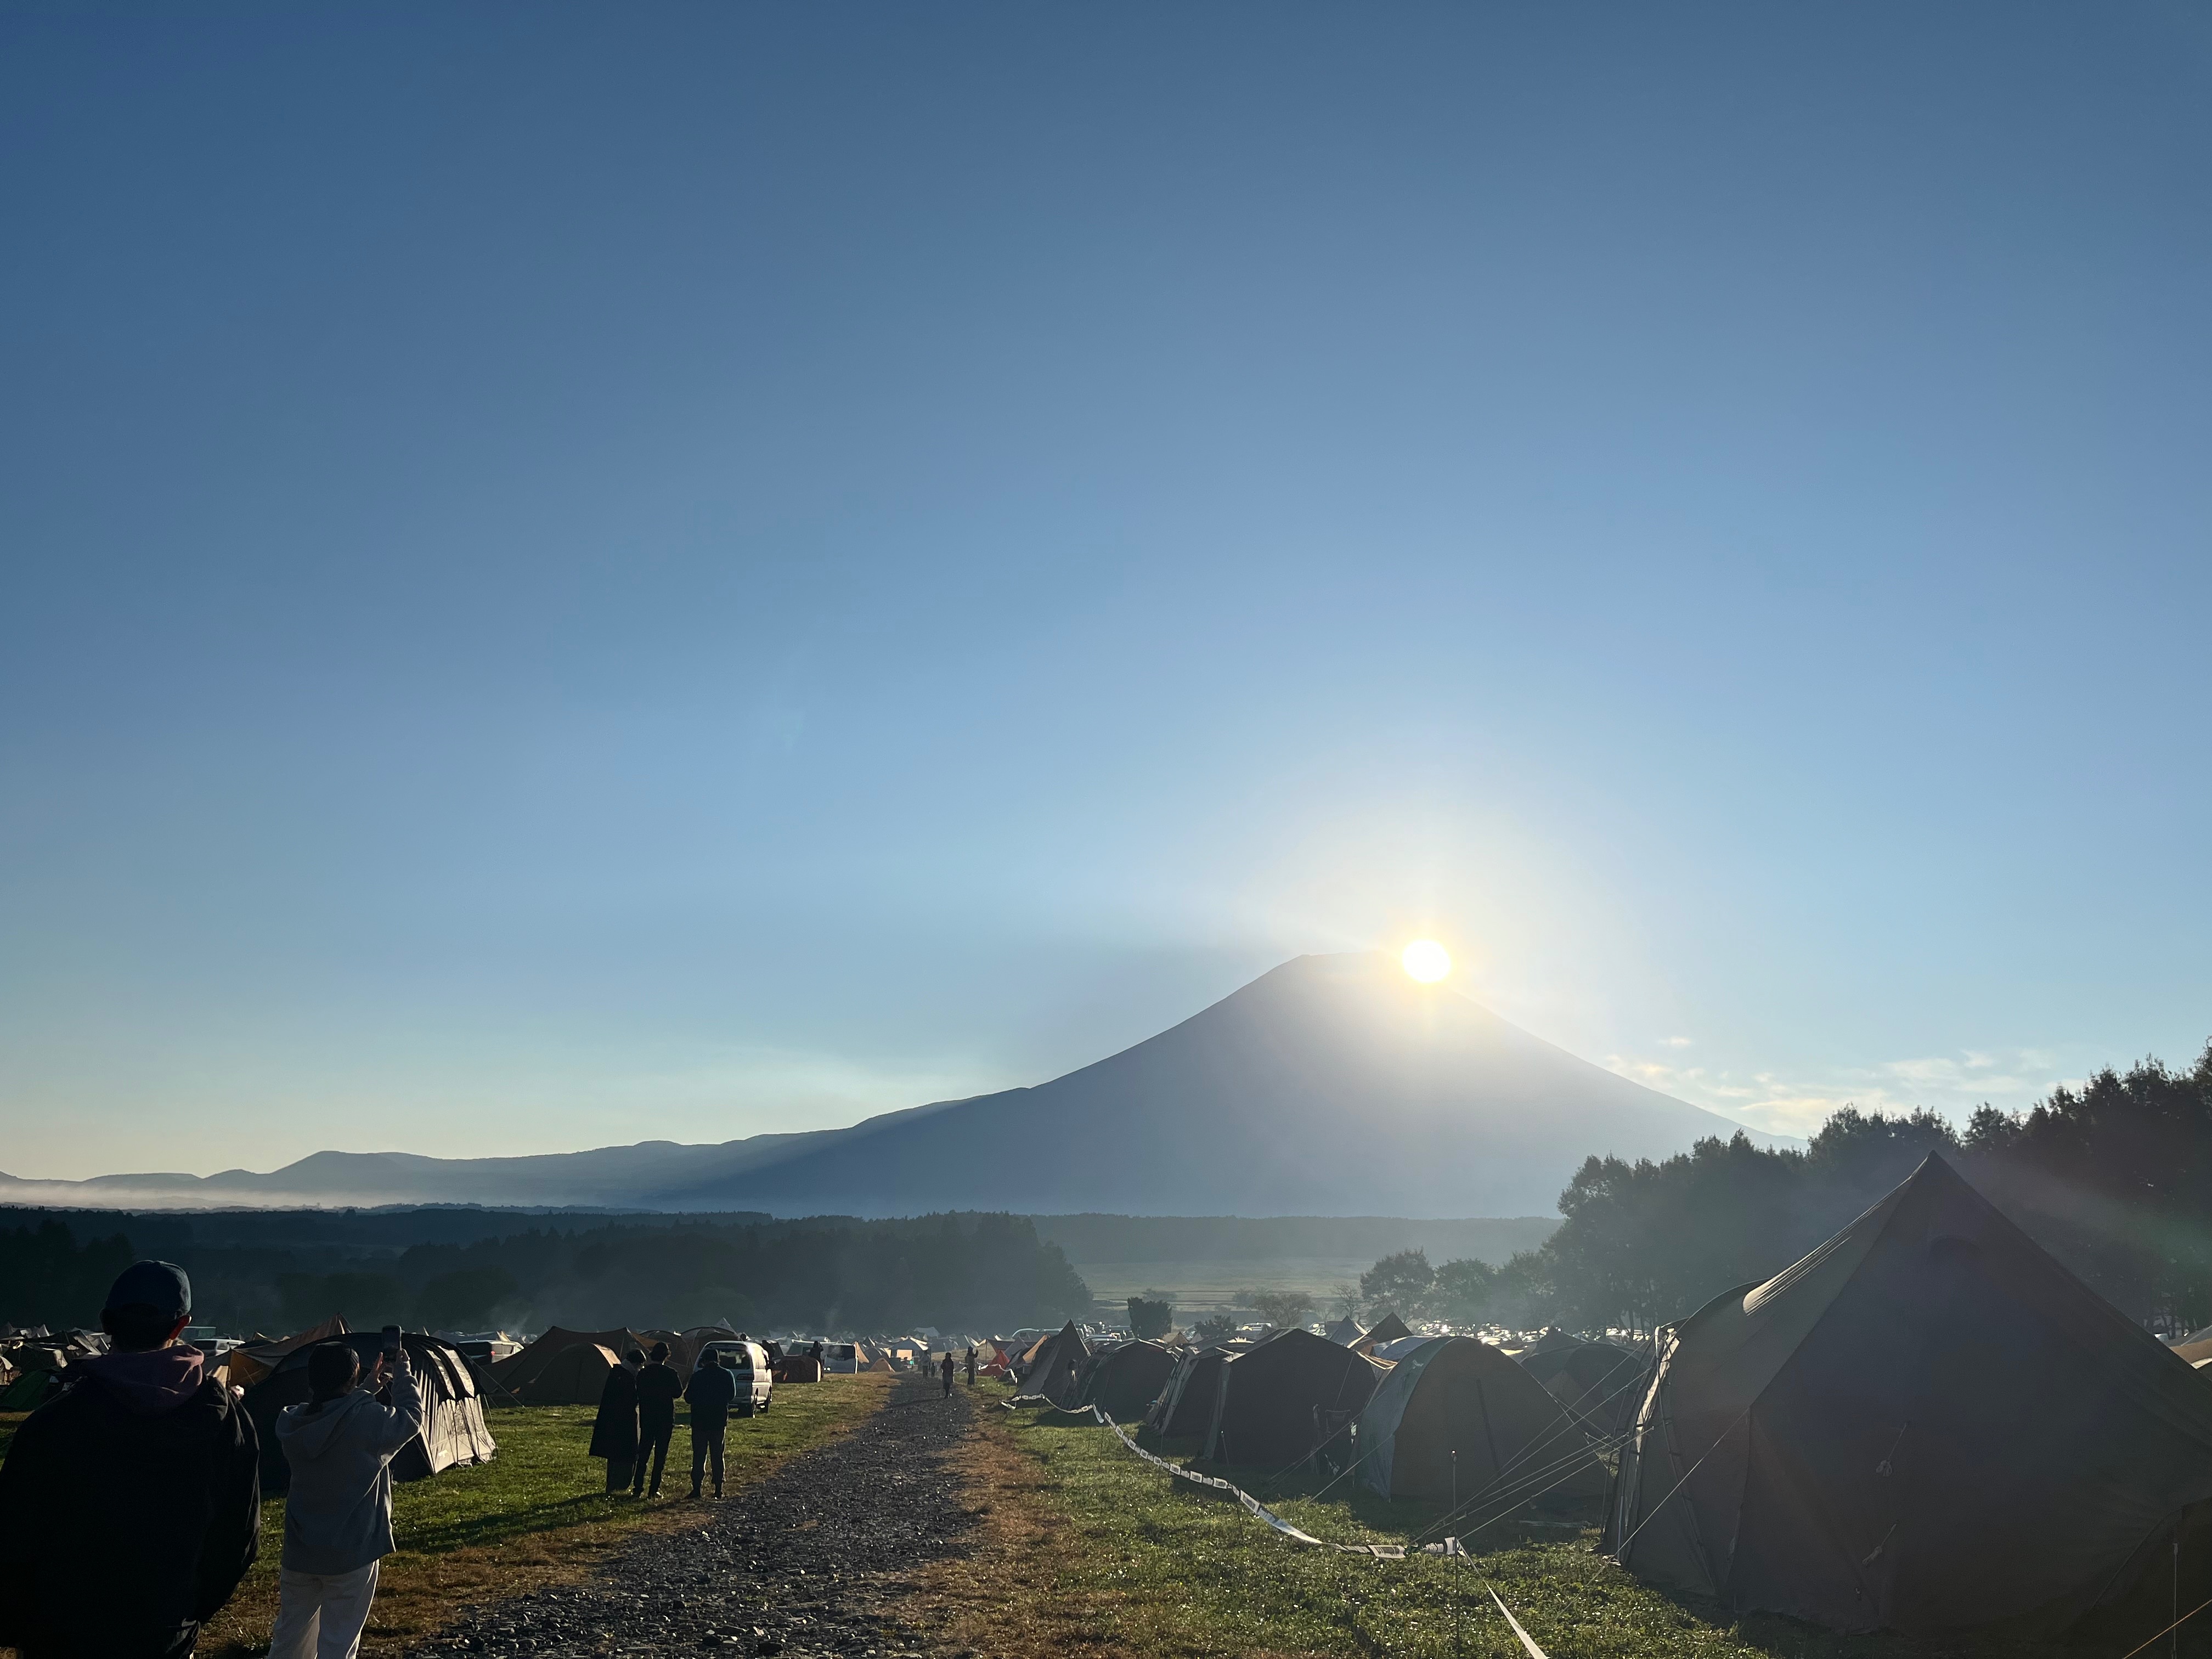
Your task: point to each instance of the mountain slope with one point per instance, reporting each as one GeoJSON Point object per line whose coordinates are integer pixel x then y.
{"type": "Point", "coordinates": [1333, 1085]}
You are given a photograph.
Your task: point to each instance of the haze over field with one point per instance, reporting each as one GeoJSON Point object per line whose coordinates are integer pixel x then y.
{"type": "Point", "coordinates": [579, 577]}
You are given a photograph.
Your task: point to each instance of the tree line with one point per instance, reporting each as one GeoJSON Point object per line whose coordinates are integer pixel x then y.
{"type": "Point", "coordinates": [2113, 1178]}
{"type": "Point", "coordinates": [967, 1271]}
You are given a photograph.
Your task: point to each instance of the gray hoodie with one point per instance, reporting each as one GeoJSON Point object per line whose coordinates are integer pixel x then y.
{"type": "Point", "coordinates": [339, 1516]}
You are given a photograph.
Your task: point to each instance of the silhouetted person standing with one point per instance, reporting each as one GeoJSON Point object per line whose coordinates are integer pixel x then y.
{"type": "Point", "coordinates": [971, 1364]}
{"type": "Point", "coordinates": [614, 1431]}
{"type": "Point", "coordinates": [946, 1368]}
{"type": "Point", "coordinates": [710, 1392]}
{"type": "Point", "coordinates": [338, 1516]}
{"type": "Point", "coordinates": [658, 1389]}
{"type": "Point", "coordinates": [131, 1503]}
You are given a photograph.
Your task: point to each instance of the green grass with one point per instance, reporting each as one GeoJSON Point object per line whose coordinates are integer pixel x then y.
{"type": "Point", "coordinates": [1171, 1573]}
{"type": "Point", "coordinates": [538, 1513]}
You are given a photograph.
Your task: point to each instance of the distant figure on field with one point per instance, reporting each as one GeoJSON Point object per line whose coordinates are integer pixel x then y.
{"type": "Point", "coordinates": [711, 1390]}
{"type": "Point", "coordinates": [131, 1503]}
{"type": "Point", "coordinates": [658, 1389]}
{"type": "Point", "coordinates": [971, 1364]}
{"type": "Point", "coordinates": [816, 1352]}
{"type": "Point", "coordinates": [947, 1369]}
{"type": "Point", "coordinates": [614, 1431]}
{"type": "Point", "coordinates": [338, 1517]}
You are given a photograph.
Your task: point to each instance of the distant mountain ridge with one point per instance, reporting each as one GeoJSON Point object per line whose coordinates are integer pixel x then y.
{"type": "Point", "coordinates": [1329, 1086]}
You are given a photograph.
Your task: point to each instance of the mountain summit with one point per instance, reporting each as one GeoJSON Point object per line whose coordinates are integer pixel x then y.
{"type": "Point", "coordinates": [1332, 1085]}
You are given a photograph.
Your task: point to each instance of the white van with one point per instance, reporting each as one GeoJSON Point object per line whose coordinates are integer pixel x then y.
{"type": "Point", "coordinates": [748, 1362]}
{"type": "Point", "coordinates": [841, 1359]}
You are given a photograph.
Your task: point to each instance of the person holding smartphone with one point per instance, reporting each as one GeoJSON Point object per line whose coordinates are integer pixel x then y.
{"type": "Point", "coordinates": [337, 1518]}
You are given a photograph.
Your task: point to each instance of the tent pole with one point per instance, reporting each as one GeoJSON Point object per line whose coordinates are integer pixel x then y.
{"type": "Point", "coordinates": [2175, 1649]}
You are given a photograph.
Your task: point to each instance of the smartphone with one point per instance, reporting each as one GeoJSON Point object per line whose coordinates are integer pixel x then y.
{"type": "Point", "coordinates": [390, 1342]}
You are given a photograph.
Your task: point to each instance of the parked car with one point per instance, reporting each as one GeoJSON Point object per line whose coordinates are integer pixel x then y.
{"type": "Point", "coordinates": [756, 1377]}
{"type": "Point", "coordinates": [841, 1359]}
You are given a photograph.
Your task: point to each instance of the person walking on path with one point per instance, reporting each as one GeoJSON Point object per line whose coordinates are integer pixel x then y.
{"type": "Point", "coordinates": [131, 1503]}
{"type": "Point", "coordinates": [658, 1389]}
{"type": "Point", "coordinates": [338, 1517]}
{"type": "Point", "coordinates": [614, 1431]}
{"type": "Point", "coordinates": [710, 1391]}
{"type": "Point", "coordinates": [947, 1369]}
{"type": "Point", "coordinates": [971, 1364]}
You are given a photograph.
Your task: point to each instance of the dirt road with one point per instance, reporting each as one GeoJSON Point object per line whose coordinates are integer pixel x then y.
{"type": "Point", "coordinates": [811, 1561]}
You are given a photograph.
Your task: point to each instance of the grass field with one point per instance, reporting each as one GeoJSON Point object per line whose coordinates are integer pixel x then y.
{"type": "Point", "coordinates": [1095, 1551]}
{"type": "Point", "coordinates": [537, 1514]}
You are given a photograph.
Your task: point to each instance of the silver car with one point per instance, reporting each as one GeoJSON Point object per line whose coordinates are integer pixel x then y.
{"type": "Point", "coordinates": [749, 1362]}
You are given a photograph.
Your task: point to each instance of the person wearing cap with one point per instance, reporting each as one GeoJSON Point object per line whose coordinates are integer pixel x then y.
{"type": "Point", "coordinates": [614, 1431]}
{"type": "Point", "coordinates": [338, 1516]}
{"type": "Point", "coordinates": [658, 1388]}
{"type": "Point", "coordinates": [131, 1503]}
{"type": "Point", "coordinates": [713, 1387]}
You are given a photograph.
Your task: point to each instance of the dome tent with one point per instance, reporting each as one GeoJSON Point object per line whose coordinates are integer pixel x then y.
{"type": "Point", "coordinates": [1054, 1364]}
{"type": "Point", "coordinates": [1185, 1406]}
{"type": "Point", "coordinates": [1281, 1400]}
{"type": "Point", "coordinates": [573, 1375]}
{"type": "Point", "coordinates": [1925, 1424]}
{"type": "Point", "coordinates": [1602, 1383]}
{"type": "Point", "coordinates": [519, 1371]}
{"type": "Point", "coordinates": [1454, 1394]}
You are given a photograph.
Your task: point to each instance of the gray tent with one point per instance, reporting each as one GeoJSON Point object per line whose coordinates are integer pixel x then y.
{"type": "Point", "coordinates": [1124, 1382]}
{"type": "Point", "coordinates": [1927, 1423]}
{"type": "Point", "coordinates": [1056, 1364]}
{"type": "Point", "coordinates": [1452, 1395]}
{"type": "Point", "coordinates": [1281, 1400]}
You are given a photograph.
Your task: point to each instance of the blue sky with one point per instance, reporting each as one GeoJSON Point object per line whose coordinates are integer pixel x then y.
{"type": "Point", "coordinates": [577, 574]}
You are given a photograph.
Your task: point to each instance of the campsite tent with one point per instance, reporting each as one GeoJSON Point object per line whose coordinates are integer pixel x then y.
{"type": "Point", "coordinates": [518, 1370]}
{"type": "Point", "coordinates": [1601, 1383]}
{"type": "Point", "coordinates": [1388, 1328]}
{"type": "Point", "coordinates": [1185, 1406]}
{"type": "Point", "coordinates": [1345, 1332]}
{"type": "Point", "coordinates": [1124, 1382]}
{"type": "Point", "coordinates": [1286, 1397]}
{"type": "Point", "coordinates": [1454, 1394]}
{"type": "Point", "coordinates": [453, 1430]}
{"type": "Point", "coordinates": [573, 1375]}
{"type": "Point", "coordinates": [243, 1367]}
{"type": "Point", "coordinates": [1054, 1364]}
{"type": "Point", "coordinates": [1926, 1423]}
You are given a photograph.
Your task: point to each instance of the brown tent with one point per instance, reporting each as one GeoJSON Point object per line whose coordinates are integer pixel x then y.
{"type": "Point", "coordinates": [1054, 1364]}
{"type": "Point", "coordinates": [1286, 1397]}
{"type": "Point", "coordinates": [517, 1370]}
{"type": "Point", "coordinates": [1124, 1382]}
{"type": "Point", "coordinates": [1454, 1395]}
{"type": "Point", "coordinates": [1927, 1423]}
{"type": "Point", "coordinates": [243, 1367]}
{"type": "Point", "coordinates": [1602, 1383]}
{"type": "Point", "coordinates": [575, 1376]}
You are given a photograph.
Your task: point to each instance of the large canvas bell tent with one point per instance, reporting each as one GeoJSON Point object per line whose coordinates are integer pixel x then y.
{"type": "Point", "coordinates": [1927, 1423]}
{"type": "Point", "coordinates": [1286, 1397]}
{"type": "Point", "coordinates": [1054, 1364]}
{"type": "Point", "coordinates": [1456, 1394]}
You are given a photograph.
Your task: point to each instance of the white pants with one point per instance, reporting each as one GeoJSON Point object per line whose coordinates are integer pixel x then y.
{"type": "Point", "coordinates": [338, 1603]}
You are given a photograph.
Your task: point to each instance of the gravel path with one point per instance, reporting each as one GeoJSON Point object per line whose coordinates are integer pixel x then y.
{"type": "Point", "coordinates": [810, 1561]}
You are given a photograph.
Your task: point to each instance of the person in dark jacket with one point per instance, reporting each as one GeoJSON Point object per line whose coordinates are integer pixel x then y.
{"type": "Point", "coordinates": [946, 1368]}
{"type": "Point", "coordinates": [131, 1504]}
{"type": "Point", "coordinates": [658, 1389]}
{"type": "Point", "coordinates": [614, 1431]}
{"type": "Point", "coordinates": [971, 1364]}
{"type": "Point", "coordinates": [711, 1390]}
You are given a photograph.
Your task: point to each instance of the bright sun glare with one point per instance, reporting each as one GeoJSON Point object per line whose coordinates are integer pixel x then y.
{"type": "Point", "coordinates": [1427, 961]}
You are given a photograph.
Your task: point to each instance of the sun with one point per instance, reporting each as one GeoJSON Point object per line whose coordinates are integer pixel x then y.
{"type": "Point", "coordinates": [1427, 961]}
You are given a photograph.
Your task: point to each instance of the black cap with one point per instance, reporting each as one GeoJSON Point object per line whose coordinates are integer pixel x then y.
{"type": "Point", "coordinates": [161, 1285]}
